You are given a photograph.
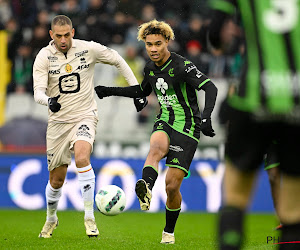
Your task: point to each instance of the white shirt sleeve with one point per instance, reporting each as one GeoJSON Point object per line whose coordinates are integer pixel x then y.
{"type": "Point", "coordinates": [40, 96]}
{"type": "Point", "coordinates": [109, 56]}
{"type": "Point", "coordinates": [40, 78]}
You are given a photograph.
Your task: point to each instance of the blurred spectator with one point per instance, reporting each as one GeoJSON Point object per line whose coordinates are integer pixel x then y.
{"type": "Point", "coordinates": [119, 28]}
{"type": "Point", "coordinates": [193, 53]}
{"type": "Point", "coordinates": [135, 62]}
{"type": "Point", "coordinates": [148, 13]}
{"type": "Point", "coordinates": [5, 11]}
{"type": "Point", "coordinates": [15, 37]}
{"type": "Point", "coordinates": [25, 11]}
{"type": "Point", "coordinates": [131, 8]}
{"type": "Point", "coordinates": [194, 31]}
{"type": "Point", "coordinates": [71, 8]}
{"type": "Point", "coordinates": [39, 39]}
{"type": "Point", "coordinates": [97, 21]}
{"type": "Point", "coordinates": [237, 62]}
{"type": "Point", "coordinates": [22, 71]}
{"type": "Point", "coordinates": [43, 18]}
{"type": "Point", "coordinates": [219, 65]}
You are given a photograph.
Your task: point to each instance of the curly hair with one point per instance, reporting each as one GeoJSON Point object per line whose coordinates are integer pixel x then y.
{"type": "Point", "coordinates": [61, 20]}
{"type": "Point", "coordinates": [155, 27]}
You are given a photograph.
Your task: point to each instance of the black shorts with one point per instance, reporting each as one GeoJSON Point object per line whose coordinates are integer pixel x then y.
{"type": "Point", "coordinates": [271, 157]}
{"type": "Point", "coordinates": [182, 147]}
{"type": "Point", "coordinates": [248, 141]}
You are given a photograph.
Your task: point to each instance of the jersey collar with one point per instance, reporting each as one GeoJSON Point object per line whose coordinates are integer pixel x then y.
{"type": "Point", "coordinates": [166, 64]}
{"type": "Point", "coordinates": [55, 50]}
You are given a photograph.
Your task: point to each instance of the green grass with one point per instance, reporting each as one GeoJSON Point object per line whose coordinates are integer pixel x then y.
{"type": "Point", "coordinates": [130, 230]}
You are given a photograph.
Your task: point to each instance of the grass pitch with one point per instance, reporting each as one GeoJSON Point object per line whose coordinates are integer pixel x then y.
{"type": "Point", "coordinates": [129, 230]}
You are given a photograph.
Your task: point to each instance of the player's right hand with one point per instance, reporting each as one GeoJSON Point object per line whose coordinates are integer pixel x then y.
{"type": "Point", "coordinates": [54, 106]}
{"type": "Point", "coordinates": [101, 91]}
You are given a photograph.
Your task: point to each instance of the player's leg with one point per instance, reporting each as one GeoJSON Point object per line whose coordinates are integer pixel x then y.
{"type": "Point", "coordinates": [58, 159]}
{"type": "Point", "coordinates": [245, 147]}
{"type": "Point", "coordinates": [288, 210]}
{"type": "Point", "coordinates": [289, 198]}
{"type": "Point", "coordinates": [159, 147]}
{"type": "Point", "coordinates": [272, 167]}
{"type": "Point", "coordinates": [274, 180]}
{"type": "Point", "coordinates": [86, 179]}
{"type": "Point", "coordinates": [174, 179]}
{"type": "Point", "coordinates": [179, 158]}
{"type": "Point", "coordinates": [237, 191]}
{"type": "Point", "coordinates": [53, 194]}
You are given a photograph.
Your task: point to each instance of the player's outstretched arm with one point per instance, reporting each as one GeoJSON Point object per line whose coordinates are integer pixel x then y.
{"type": "Point", "coordinates": [210, 100]}
{"type": "Point", "coordinates": [131, 91]}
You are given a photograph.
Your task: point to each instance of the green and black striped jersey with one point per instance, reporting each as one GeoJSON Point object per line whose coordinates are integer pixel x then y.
{"type": "Point", "coordinates": [270, 82]}
{"type": "Point", "coordinates": [175, 84]}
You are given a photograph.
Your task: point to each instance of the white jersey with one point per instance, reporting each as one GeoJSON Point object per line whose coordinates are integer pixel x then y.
{"type": "Point", "coordinates": [71, 76]}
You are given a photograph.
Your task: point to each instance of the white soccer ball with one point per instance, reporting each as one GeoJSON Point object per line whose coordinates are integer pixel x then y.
{"type": "Point", "coordinates": [110, 200]}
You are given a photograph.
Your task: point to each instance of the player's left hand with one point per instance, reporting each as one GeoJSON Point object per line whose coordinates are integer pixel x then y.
{"type": "Point", "coordinates": [140, 103]}
{"type": "Point", "coordinates": [206, 127]}
{"type": "Point", "coordinates": [102, 91]}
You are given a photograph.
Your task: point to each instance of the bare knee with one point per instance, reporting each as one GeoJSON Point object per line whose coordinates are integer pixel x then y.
{"type": "Point", "coordinates": [157, 152]}
{"type": "Point", "coordinates": [273, 177]}
{"type": "Point", "coordinates": [172, 188]}
{"type": "Point", "coordinates": [82, 161]}
{"type": "Point", "coordinates": [57, 181]}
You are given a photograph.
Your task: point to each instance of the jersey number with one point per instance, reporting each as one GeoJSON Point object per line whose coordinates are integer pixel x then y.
{"type": "Point", "coordinates": [69, 83]}
{"type": "Point", "coordinates": [283, 15]}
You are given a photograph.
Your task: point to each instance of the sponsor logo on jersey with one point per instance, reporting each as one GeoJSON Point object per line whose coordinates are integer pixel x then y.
{"type": "Point", "coordinates": [83, 131]}
{"type": "Point", "coordinates": [68, 68]}
{"type": "Point", "coordinates": [198, 73]}
{"type": "Point", "coordinates": [187, 62]}
{"type": "Point", "coordinates": [54, 72]}
{"type": "Point", "coordinates": [175, 160]}
{"type": "Point", "coordinates": [49, 157]}
{"type": "Point", "coordinates": [52, 58]}
{"type": "Point", "coordinates": [84, 66]}
{"type": "Point", "coordinates": [82, 60]}
{"type": "Point", "coordinates": [189, 69]}
{"type": "Point", "coordinates": [160, 126]}
{"type": "Point", "coordinates": [171, 72]}
{"type": "Point", "coordinates": [81, 53]}
{"type": "Point", "coordinates": [161, 85]}
{"type": "Point", "coordinates": [168, 100]}
{"type": "Point", "coordinates": [176, 148]}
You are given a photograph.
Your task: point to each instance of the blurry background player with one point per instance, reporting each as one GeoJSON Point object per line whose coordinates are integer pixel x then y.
{"type": "Point", "coordinates": [63, 74]}
{"type": "Point", "coordinates": [176, 131]}
{"type": "Point", "coordinates": [272, 168]}
{"type": "Point", "coordinates": [266, 105]}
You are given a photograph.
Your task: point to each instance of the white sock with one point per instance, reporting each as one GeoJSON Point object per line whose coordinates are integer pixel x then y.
{"type": "Point", "coordinates": [86, 179]}
{"type": "Point", "coordinates": [52, 198]}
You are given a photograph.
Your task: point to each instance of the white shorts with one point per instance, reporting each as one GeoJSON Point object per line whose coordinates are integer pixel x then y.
{"type": "Point", "coordinates": [62, 136]}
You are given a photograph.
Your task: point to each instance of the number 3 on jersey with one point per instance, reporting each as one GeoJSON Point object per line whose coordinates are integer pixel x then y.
{"type": "Point", "coordinates": [283, 15]}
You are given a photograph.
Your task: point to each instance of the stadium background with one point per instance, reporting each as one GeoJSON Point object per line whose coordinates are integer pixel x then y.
{"type": "Point", "coordinates": [122, 135]}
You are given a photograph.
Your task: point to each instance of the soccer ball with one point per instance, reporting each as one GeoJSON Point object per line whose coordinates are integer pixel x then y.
{"type": "Point", "coordinates": [110, 200]}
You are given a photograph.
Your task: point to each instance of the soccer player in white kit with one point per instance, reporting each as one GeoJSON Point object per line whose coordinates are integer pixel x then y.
{"type": "Point", "coordinates": [63, 75]}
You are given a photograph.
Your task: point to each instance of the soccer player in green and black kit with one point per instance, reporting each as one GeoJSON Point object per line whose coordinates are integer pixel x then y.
{"type": "Point", "coordinates": [266, 106]}
{"type": "Point", "coordinates": [176, 132]}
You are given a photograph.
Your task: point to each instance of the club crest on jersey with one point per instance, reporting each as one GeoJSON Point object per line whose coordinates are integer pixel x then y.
{"type": "Point", "coordinates": [171, 72]}
{"type": "Point", "coordinates": [162, 85]}
{"type": "Point", "coordinates": [68, 68]}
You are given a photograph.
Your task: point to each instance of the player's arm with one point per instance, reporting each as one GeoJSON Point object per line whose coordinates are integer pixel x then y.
{"type": "Point", "coordinates": [112, 57]}
{"type": "Point", "coordinates": [200, 81]}
{"type": "Point", "coordinates": [40, 81]}
{"type": "Point", "coordinates": [136, 91]}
